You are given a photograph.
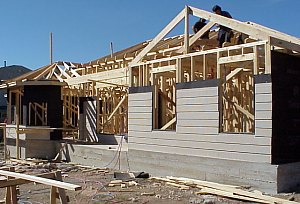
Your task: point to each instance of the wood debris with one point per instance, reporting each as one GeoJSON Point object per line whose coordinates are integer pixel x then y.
{"type": "Point", "coordinates": [228, 191]}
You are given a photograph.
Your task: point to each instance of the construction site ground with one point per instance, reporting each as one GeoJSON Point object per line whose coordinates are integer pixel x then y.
{"type": "Point", "coordinates": [96, 189]}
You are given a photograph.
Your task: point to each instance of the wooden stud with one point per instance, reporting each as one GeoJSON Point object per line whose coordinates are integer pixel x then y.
{"type": "Point", "coordinates": [186, 30]}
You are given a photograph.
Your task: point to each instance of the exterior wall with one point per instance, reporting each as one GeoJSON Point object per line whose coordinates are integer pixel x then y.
{"type": "Point", "coordinates": [286, 108]}
{"type": "Point", "coordinates": [32, 145]}
{"type": "Point", "coordinates": [196, 149]}
{"type": "Point", "coordinates": [197, 132]}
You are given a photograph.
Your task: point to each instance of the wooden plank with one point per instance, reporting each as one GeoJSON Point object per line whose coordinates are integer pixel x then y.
{"type": "Point", "coordinates": [201, 32]}
{"type": "Point", "coordinates": [117, 107]}
{"type": "Point", "coordinates": [101, 76]}
{"type": "Point", "coordinates": [159, 37]}
{"type": "Point", "coordinates": [15, 182]}
{"type": "Point", "coordinates": [236, 58]}
{"type": "Point", "coordinates": [171, 122]}
{"type": "Point", "coordinates": [163, 69]}
{"type": "Point", "coordinates": [233, 73]}
{"type": "Point", "coordinates": [53, 192]}
{"type": "Point", "coordinates": [186, 30]}
{"type": "Point", "coordinates": [235, 191]}
{"type": "Point", "coordinates": [61, 191]}
{"type": "Point", "coordinates": [229, 195]}
{"type": "Point", "coordinates": [231, 23]}
{"type": "Point", "coordinates": [40, 180]}
{"type": "Point", "coordinates": [285, 44]}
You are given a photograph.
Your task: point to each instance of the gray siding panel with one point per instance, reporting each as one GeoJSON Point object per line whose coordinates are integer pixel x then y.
{"type": "Point", "coordinates": [197, 131]}
{"type": "Point", "coordinates": [203, 153]}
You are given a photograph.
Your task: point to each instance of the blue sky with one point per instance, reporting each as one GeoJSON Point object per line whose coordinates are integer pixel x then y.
{"type": "Point", "coordinates": [83, 29]}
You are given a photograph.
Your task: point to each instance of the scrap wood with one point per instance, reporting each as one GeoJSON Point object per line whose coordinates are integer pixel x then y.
{"type": "Point", "coordinates": [234, 190]}
{"type": "Point", "coordinates": [180, 186]}
{"type": "Point", "coordinates": [54, 183]}
{"type": "Point", "coordinates": [60, 151]}
{"type": "Point", "coordinates": [230, 195]}
{"type": "Point", "coordinates": [30, 163]}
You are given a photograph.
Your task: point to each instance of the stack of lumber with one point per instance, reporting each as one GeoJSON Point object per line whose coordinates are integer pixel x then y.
{"type": "Point", "coordinates": [228, 191]}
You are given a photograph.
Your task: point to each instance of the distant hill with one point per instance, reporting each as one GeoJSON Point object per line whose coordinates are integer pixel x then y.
{"type": "Point", "coordinates": [12, 71]}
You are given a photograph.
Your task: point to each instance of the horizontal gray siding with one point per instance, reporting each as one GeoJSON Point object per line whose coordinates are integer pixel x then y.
{"type": "Point", "coordinates": [140, 113]}
{"type": "Point", "coordinates": [197, 131]}
{"type": "Point", "coordinates": [263, 110]}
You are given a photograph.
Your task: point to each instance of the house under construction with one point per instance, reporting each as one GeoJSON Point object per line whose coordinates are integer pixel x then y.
{"type": "Point", "coordinates": [227, 114]}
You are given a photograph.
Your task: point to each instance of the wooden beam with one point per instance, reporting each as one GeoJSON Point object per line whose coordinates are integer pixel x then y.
{"type": "Point", "coordinates": [117, 107]}
{"type": "Point", "coordinates": [284, 44]}
{"type": "Point", "coordinates": [163, 69]}
{"type": "Point", "coordinates": [231, 23]}
{"type": "Point", "coordinates": [241, 109]}
{"type": "Point", "coordinates": [186, 30]}
{"type": "Point", "coordinates": [160, 36]}
{"type": "Point", "coordinates": [236, 58]}
{"type": "Point", "coordinates": [171, 122]}
{"type": "Point", "coordinates": [276, 34]}
{"type": "Point", "coordinates": [233, 73]}
{"type": "Point", "coordinates": [45, 181]}
{"type": "Point", "coordinates": [199, 34]}
{"type": "Point", "coordinates": [16, 182]}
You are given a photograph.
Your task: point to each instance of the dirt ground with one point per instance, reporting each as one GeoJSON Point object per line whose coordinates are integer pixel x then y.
{"type": "Point", "coordinates": [95, 188]}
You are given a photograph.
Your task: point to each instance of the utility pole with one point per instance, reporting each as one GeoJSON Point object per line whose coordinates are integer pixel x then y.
{"type": "Point", "coordinates": [51, 49]}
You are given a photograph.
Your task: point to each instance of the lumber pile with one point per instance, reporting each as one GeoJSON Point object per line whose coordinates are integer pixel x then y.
{"type": "Point", "coordinates": [228, 191]}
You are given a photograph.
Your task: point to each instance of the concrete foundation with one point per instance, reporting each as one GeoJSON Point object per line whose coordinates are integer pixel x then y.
{"type": "Point", "coordinates": [262, 176]}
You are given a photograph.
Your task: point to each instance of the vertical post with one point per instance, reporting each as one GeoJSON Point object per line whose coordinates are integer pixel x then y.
{"type": "Point", "coordinates": [204, 67]}
{"type": "Point", "coordinates": [220, 93]}
{"type": "Point", "coordinates": [130, 76]}
{"type": "Point", "coordinates": [111, 49]}
{"type": "Point", "coordinates": [255, 61]}
{"type": "Point", "coordinates": [17, 124]}
{"type": "Point", "coordinates": [4, 141]}
{"type": "Point", "coordinates": [178, 71]}
{"type": "Point", "coordinates": [268, 57]}
{"type": "Point", "coordinates": [53, 195]}
{"type": "Point", "coordinates": [51, 48]}
{"type": "Point", "coordinates": [192, 68]}
{"type": "Point", "coordinates": [186, 30]}
{"type": "Point", "coordinates": [61, 191]}
{"type": "Point", "coordinates": [9, 107]}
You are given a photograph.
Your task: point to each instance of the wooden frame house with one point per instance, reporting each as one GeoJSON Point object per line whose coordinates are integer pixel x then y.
{"type": "Point", "coordinates": [189, 108]}
{"type": "Point", "coordinates": [227, 114]}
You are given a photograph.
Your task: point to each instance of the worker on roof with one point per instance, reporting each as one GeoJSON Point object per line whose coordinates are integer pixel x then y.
{"type": "Point", "coordinates": [225, 34]}
{"type": "Point", "coordinates": [198, 26]}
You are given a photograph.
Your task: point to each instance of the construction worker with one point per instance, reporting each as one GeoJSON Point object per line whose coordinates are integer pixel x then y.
{"type": "Point", "coordinates": [198, 26]}
{"type": "Point", "coordinates": [225, 34]}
